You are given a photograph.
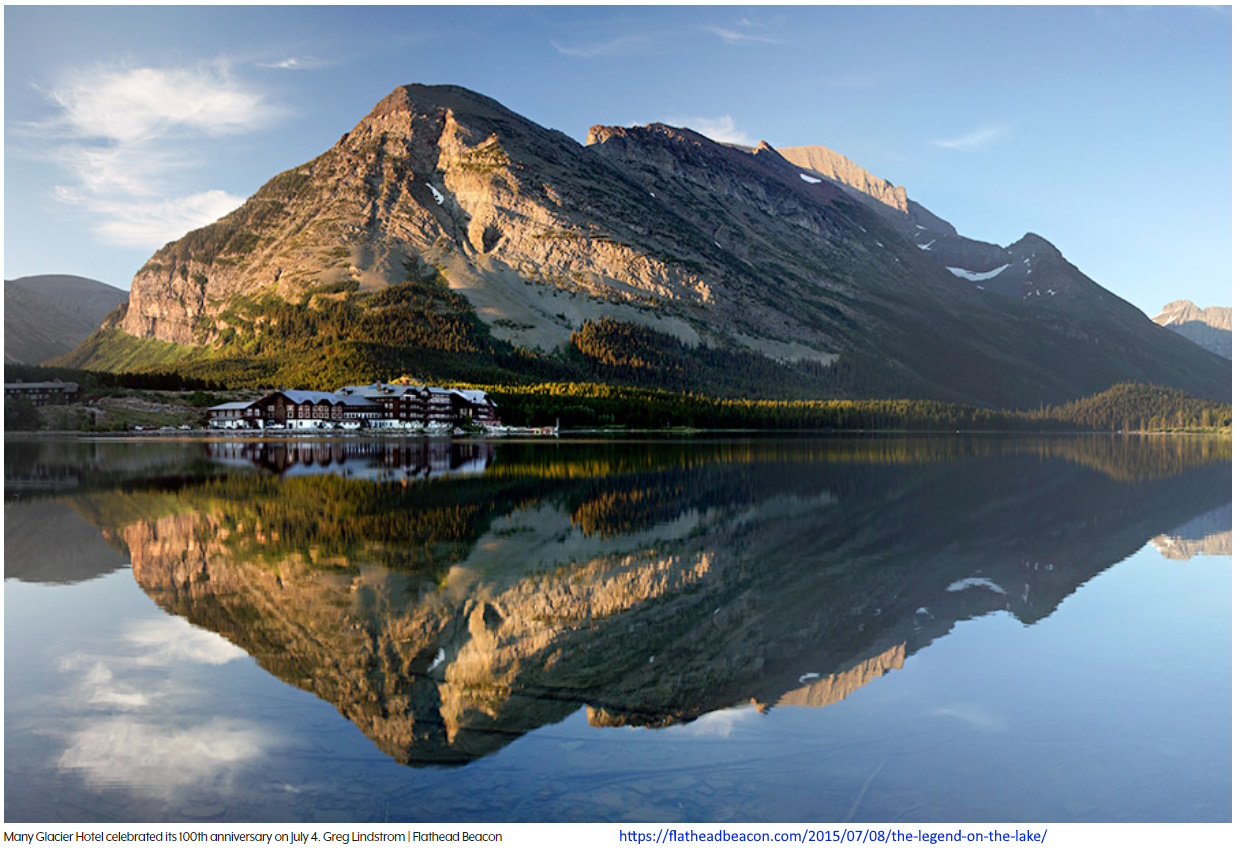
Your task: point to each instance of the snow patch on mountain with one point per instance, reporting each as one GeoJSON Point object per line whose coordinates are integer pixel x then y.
{"type": "Point", "coordinates": [438, 660]}
{"type": "Point", "coordinates": [977, 276]}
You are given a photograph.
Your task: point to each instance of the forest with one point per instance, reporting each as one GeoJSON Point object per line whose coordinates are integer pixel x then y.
{"type": "Point", "coordinates": [1126, 407]}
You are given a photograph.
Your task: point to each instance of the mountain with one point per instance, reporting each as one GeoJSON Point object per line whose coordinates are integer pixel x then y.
{"type": "Point", "coordinates": [49, 315]}
{"type": "Point", "coordinates": [1210, 328]}
{"type": "Point", "coordinates": [449, 237]}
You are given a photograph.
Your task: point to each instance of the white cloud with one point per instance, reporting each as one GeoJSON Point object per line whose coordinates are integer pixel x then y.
{"type": "Point", "coordinates": [722, 128]}
{"type": "Point", "coordinates": [149, 644]}
{"type": "Point", "coordinates": [154, 223]}
{"type": "Point", "coordinates": [137, 104]}
{"type": "Point", "coordinates": [126, 136]}
{"type": "Point", "coordinates": [977, 140]}
{"type": "Point", "coordinates": [100, 688]}
{"type": "Point", "coordinates": [294, 63]}
{"type": "Point", "coordinates": [619, 46]}
{"type": "Point", "coordinates": [129, 169]}
{"type": "Point", "coordinates": [720, 724]}
{"type": "Point", "coordinates": [733, 36]}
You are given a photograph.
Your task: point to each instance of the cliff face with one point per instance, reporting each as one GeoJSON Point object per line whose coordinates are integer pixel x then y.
{"type": "Point", "coordinates": [819, 691]}
{"type": "Point", "coordinates": [840, 169]}
{"type": "Point", "coordinates": [1179, 547]}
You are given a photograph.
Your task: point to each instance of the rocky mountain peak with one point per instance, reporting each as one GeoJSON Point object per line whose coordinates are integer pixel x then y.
{"type": "Point", "coordinates": [424, 99]}
{"type": "Point", "coordinates": [769, 155]}
{"type": "Point", "coordinates": [1185, 311]}
{"type": "Point", "coordinates": [1039, 245]}
{"type": "Point", "coordinates": [599, 133]}
{"type": "Point", "coordinates": [1210, 328]}
{"type": "Point", "coordinates": [430, 126]}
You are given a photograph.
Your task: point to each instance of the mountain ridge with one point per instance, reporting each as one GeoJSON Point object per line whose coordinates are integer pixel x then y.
{"type": "Point", "coordinates": [730, 252]}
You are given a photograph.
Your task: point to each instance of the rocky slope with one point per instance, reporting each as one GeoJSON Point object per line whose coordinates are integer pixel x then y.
{"type": "Point", "coordinates": [830, 273]}
{"type": "Point", "coordinates": [958, 314]}
{"type": "Point", "coordinates": [1030, 269]}
{"type": "Point", "coordinates": [1210, 328]}
{"type": "Point", "coordinates": [49, 315]}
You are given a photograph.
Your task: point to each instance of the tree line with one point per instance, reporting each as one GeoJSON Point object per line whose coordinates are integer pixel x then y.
{"type": "Point", "coordinates": [1126, 407]}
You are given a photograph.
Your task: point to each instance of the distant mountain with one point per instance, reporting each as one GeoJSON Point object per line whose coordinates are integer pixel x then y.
{"type": "Point", "coordinates": [49, 315]}
{"type": "Point", "coordinates": [448, 237]}
{"type": "Point", "coordinates": [1210, 328]}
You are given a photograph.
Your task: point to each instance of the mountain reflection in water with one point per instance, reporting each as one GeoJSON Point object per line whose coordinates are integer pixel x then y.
{"type": "Point", "coordinates": [449, 597]}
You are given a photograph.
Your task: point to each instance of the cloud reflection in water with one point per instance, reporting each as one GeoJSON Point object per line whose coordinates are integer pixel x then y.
{"type": "Point", "coordinates": [160, 759]}
{"type": "Point", "coordinates": [144, 735]}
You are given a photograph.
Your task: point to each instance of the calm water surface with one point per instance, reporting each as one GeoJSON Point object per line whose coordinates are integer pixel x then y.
{"type": "Point", "coordinates": [953, 629]}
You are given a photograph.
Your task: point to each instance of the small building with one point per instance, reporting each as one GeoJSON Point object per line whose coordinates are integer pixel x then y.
{"type": "Point", "coordinates": [42, 393]}
{"type": "Point", "coordinates": [236, 415]}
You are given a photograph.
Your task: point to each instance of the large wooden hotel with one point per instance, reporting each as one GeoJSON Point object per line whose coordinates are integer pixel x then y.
{"type": "Point", "coordinates": [391, 406]}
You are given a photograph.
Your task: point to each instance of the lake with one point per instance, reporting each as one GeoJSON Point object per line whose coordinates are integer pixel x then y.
{"type": "Point", "coordinates": [703, 630]}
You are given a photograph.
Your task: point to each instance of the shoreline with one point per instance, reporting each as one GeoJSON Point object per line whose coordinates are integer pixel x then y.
{"type": "Point", "coordinates": [204, 434]}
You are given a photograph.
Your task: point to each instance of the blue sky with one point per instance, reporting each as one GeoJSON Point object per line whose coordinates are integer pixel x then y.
{"type": "Point", "coordinates": [1106, 130]}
